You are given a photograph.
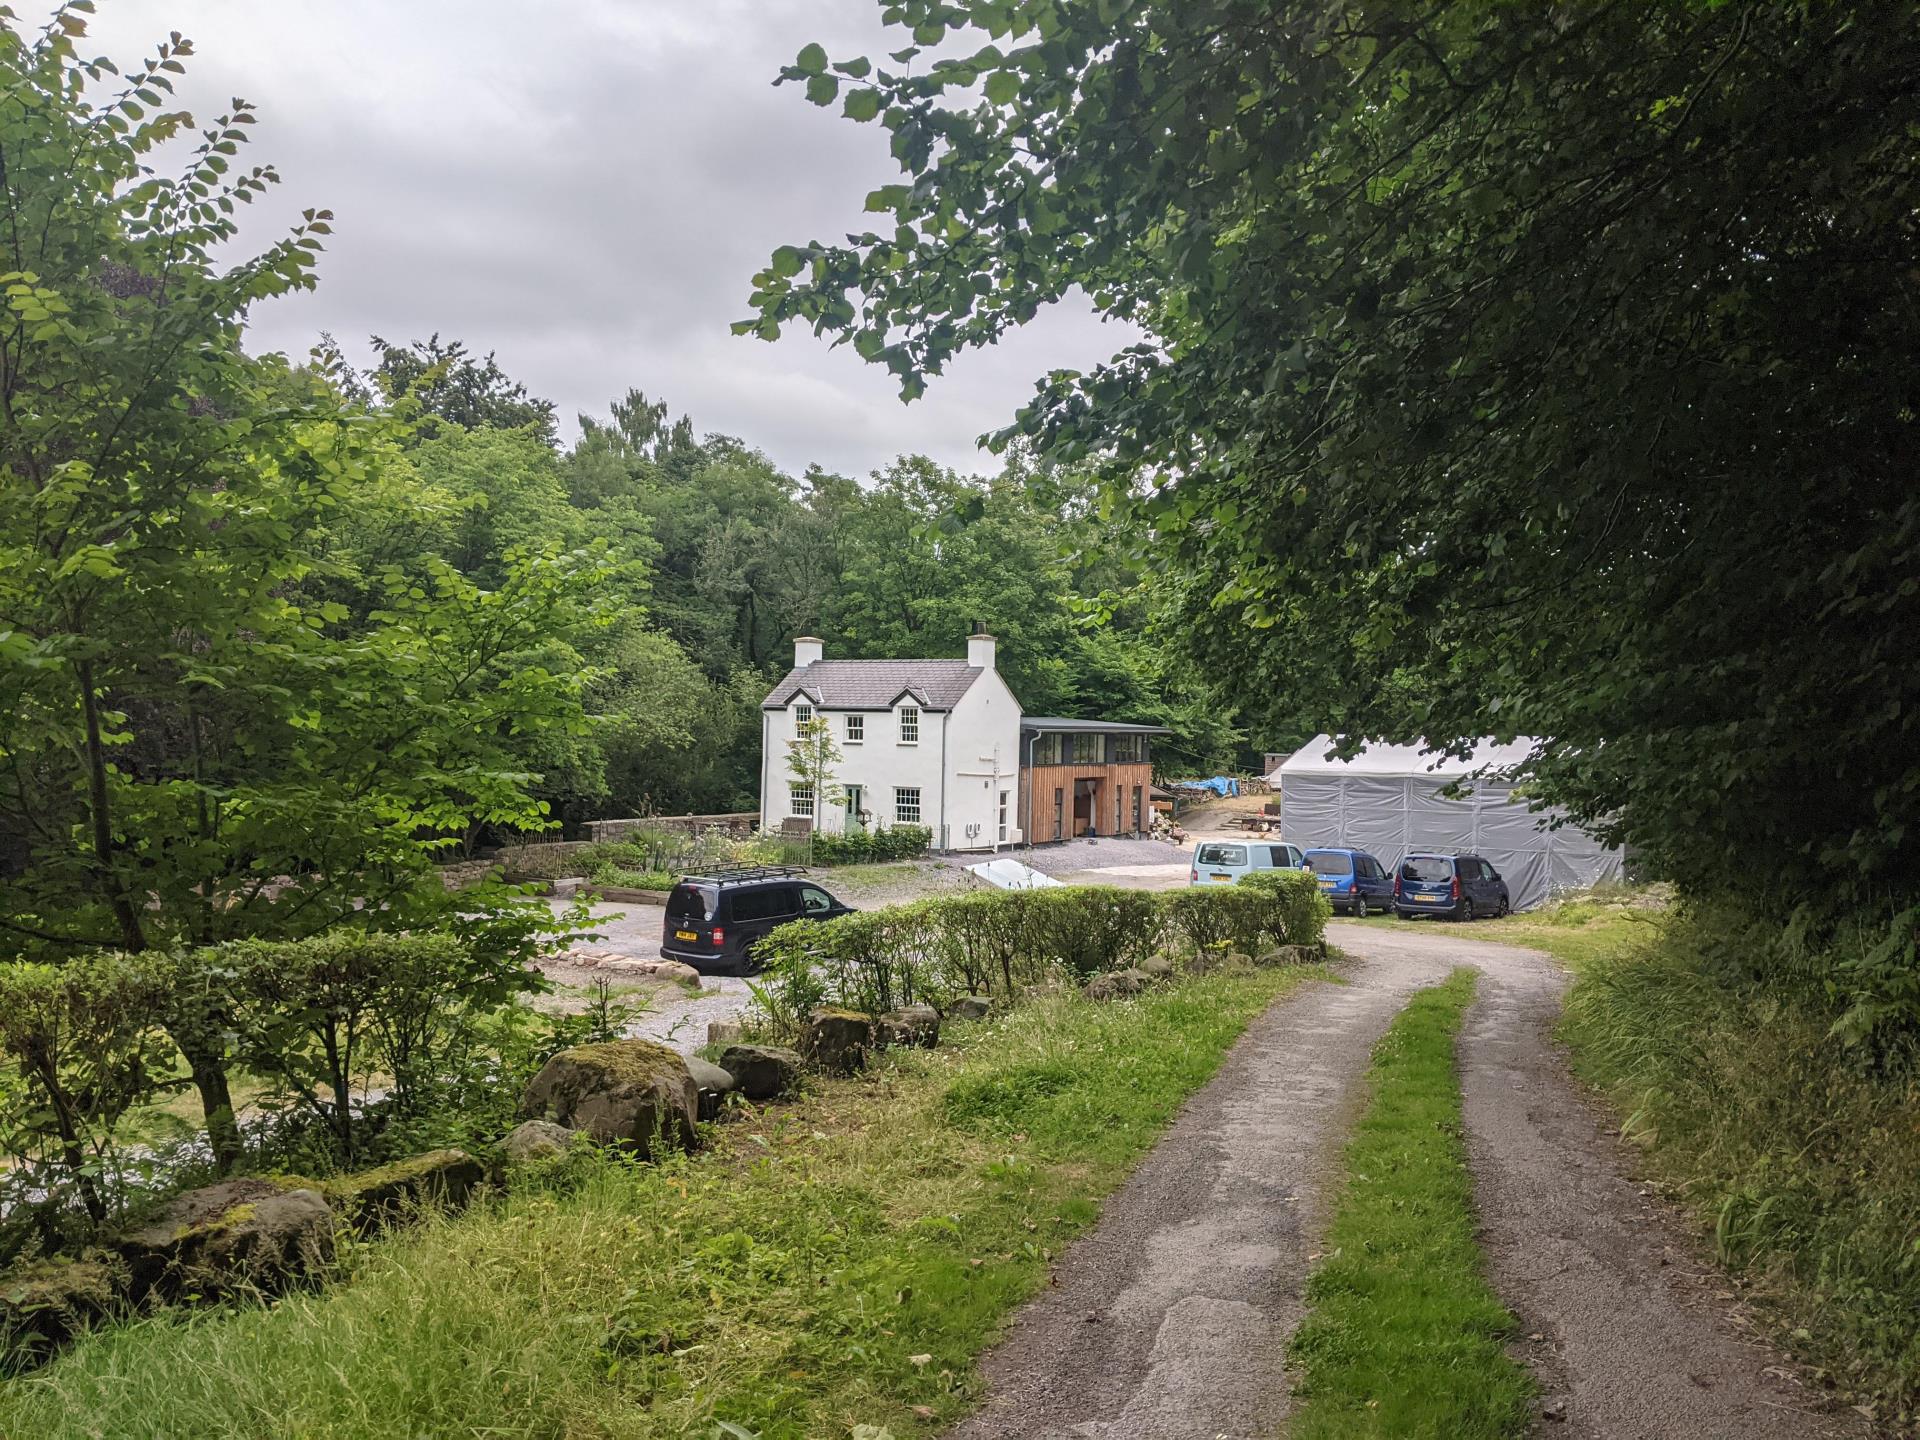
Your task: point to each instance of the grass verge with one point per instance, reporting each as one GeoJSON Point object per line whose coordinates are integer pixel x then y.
{"type": "Point", "coordinates": [831, 1263]}
{"type": "Point", "coordinates": [1403, 1335]}
{"type": "Point", "coordinates": [1593, 925]}
{"type": "Point", "coordinates": [1800, 1157]}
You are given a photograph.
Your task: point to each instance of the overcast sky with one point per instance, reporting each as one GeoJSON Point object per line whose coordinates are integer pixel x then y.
{"type": "Point", "coordinates": [585, 188]}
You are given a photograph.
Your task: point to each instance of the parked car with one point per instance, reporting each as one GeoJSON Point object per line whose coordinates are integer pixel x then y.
{"type": "Point", "coordinates": [1222, 862]}
{"type": "Point", "coordinates": [1457, 886]}
{"type": "Point", "coordinates": [1353, 880]}
{"type": "Point", "coordinates": [714, 921]}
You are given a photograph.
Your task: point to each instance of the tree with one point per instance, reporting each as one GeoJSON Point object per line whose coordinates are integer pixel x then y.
{"type": "Point", "coordinates": [1513, 370]}
{"type": "Point", "coordinates": [447, 384]}
{"type": "Point", "coordinates": [198, 739]}
{"type": "Point", "coordinates": [813, 758]}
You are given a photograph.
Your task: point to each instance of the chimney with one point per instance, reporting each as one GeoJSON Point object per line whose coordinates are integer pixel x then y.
{"type": "Point", "coordinates": [980, 649]}
{"type": "Point", "coordinates": [806, 650]}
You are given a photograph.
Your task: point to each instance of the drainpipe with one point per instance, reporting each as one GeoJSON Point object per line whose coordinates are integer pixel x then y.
{"type": "Point", "coordinates": [1032, 802]}
{"type": "Point", "coordinates": [943, 839]}
{"type": "Point", "coordinates": [766, 761]}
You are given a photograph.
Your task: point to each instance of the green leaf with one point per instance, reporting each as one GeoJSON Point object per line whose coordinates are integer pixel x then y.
{"type": "Point", "coordinates": [811, 60]}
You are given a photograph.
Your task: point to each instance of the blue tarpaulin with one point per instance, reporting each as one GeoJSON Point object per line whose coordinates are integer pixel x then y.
{"type": "Point", "coordinates": [1219, 784]}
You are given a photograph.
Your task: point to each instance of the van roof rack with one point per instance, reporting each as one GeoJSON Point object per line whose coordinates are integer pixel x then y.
{"type": "Point", "coordinates": [747, 872]}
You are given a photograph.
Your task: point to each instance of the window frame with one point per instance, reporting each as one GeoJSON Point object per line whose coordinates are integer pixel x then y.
{"type": "Point", "coordinates": [900, 816]}
{"type": "Point", "coordinates": [803, 713]}
{"type": "Point", "coordinates": [909, 717]}
{"type": "Point", "coordinates": [798, 795]}
{"type": "Point", "coordinates": [856, 730]}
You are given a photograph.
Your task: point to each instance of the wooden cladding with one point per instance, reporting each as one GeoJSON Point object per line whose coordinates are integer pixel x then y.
{"type": "Point", "coordinates": [1059, 802]}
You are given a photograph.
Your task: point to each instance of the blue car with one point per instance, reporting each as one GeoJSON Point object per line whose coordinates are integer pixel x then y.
{"type": "Point", "coordinates": [1352, 880]}
{"type": "Point", "coordinates": [1458, 886]}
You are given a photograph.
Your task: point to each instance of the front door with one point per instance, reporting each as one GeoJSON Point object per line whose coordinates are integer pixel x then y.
{"type": "Point", "coordinates": [1086, 795]}
{"type": "Point", "coordinates": [856, 807]}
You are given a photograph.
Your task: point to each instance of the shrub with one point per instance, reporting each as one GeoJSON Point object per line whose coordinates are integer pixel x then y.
{"type": "Point", "coordinates": [1001, 942]}
{"type": "Point", "coordinates": [322, 1017]}
{"type": "Point", "coordinates": [86, 1047]}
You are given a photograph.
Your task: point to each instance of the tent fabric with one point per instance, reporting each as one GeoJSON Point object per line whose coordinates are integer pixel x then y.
{"type": "Point", "coordinates": [1387, 801]}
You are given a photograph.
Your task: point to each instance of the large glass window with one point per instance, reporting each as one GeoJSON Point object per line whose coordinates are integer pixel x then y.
{"type": "Point", "coordinates": [1127, 750]}
{"type": "Point", "coordinates": [1059, 812]}
{"type": "Point", "coordinates": [1088, 749]}
{"type": "Point", "coordinates": [1046, 749]}
{"type": "Point", "coordinates": [910, 726]}
{"type": "Point", "coordinates": [906, 805]}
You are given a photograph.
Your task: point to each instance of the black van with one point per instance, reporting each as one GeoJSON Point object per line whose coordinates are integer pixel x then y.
{"type": "Point", "coordinates": [713, 920]}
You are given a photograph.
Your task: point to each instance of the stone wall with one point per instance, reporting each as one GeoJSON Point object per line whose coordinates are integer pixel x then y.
{"type": "Point", "coordinates": [741, 823]}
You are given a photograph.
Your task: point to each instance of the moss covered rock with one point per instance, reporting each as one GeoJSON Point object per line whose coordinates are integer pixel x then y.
{"type": "Point", "coordinates": [533, 1141]}
{"type": "Point", "coordinates": [46, 1304]}
{"type": "Point", "coordinates": [375, 1198]}
{"type": "Point", "coordinates": [837, 1041]}
{"type": "Point", "coordinates": [762, 1072]}
{"type": "Point", "coordinates": [626, 1092]}
{"type": "Point", "coordinates": [910, 1027]}
{"type": "Point", "coordinates": [1290, 955]}
{"type": "Point", "coordinates": [1117, 985]}
{"type": "Point", "coordinates": [237, 1235]}
{"type": "Point", "coordinates": [970, 1007]}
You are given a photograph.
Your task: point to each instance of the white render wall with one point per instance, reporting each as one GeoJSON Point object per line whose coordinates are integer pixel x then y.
{"type": "Point", "coordinates": [962, 761]}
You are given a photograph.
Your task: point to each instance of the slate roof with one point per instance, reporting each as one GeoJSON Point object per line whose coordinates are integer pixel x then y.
{"type": "Point", "coordinates": [875, 684]}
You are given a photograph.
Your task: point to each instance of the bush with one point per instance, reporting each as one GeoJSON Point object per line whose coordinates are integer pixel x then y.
{"type": "Point", "coordinates": [1001, 942]}
{"type": "Point", "coordinates": [323, 1017]}
{"type": "Point", "coordinates": [86, 1047]}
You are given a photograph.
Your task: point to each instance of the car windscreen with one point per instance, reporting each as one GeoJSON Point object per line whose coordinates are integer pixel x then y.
{"type": "Point", "coordinates": [1426, 868]}
{"type": "Point", "coordinates": [1330, 862]}
{"type": "Point", "coordinates": [1221, 855]}
{"type": "Point", "coordinates": [690, 902]}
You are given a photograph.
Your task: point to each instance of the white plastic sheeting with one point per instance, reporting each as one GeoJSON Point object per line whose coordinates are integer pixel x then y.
{"type": "Point", "coordinates": [1012, 875]}
{"type": "Point", "coordinates": [1387, 801]}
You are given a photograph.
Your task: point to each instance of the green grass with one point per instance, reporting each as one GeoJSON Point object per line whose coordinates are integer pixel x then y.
{"type": "Point", "coordinates": [1800, 1158]}
{"type": "Point", "coordinates": [1403, 1335]}
{"type": "Point", "coordinates": [1581, 929]}
{"type": "Point", "coordinates": [836, 1262]}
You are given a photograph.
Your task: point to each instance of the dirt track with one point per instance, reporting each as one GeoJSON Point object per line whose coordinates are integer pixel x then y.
{"type": "Point", "coordinates": [1170, 1319]}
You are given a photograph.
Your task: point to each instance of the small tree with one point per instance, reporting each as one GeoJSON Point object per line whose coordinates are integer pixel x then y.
{"type": "Point", "coordinates": [812, 758]}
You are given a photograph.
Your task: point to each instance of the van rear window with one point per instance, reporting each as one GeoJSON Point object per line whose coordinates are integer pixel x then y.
{"type": "Point", "coordinates": [1221, 855]}
{"type": "Point", "coordinates": [691, 902]}
{"type": "Point", "coordinates": [1330, 862]}
{"type": "Point", "coordinates": [1426, 867]}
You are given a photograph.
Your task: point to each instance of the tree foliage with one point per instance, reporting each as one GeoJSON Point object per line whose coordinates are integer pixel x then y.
{"type": "Point", "coordinates": [1513, 369]}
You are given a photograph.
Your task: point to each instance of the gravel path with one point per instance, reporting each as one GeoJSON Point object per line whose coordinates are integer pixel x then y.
{"type": "Point", "coordinates": [1637, 1338]}
{"type": "Point", "coordinates": [1170, 1319]}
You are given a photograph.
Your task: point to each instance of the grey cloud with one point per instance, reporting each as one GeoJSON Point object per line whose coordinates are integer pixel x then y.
{"type": "Point", "coordinates": [586, 190]}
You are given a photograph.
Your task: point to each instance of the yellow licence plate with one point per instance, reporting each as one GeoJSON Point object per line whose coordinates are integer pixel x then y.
{"type": "Point", "coordinates": [685, 935]}
{"type": "Point", "coordinates": [1220, 877]}
{"type": "Point", "coordinates": [1326, 884]}
{"type": "Point", "coordinates": [1430, 899]}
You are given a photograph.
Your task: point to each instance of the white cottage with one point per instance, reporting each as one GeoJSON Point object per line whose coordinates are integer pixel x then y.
{"type": "Point", "coordinates": [922, 742]}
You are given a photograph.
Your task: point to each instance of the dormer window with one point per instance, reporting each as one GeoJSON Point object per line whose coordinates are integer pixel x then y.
{"type": "Point", "coordinates": [909, 724]}
{"type": "Point", "coordinates": [802, 714]}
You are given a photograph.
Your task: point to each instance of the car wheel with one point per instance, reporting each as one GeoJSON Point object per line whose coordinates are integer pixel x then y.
{"type": "Point", "coordinates": [1359, 907]}
{"type": "Point", "coordinates": [1504, 909]}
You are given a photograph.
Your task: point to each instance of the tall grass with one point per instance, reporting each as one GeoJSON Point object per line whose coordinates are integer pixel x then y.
{"type": "Point", "coordinates": [1800, 1154]}
{"type": "Point", "coordinates": [1403, 1335]}
{"type": "Point", "coordinates": [833, 1263]}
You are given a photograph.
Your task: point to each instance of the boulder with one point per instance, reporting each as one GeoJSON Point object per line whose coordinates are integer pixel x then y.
{"type": "Point", "coordinates": [725, 1032]}
{"type": "Point", "coordinates": [46, 1304]}
{"type": "Point", "coordinates": [713, 1082]}
{"type": "Point", "coordinates": [625, 1092]}
{"type": "Point", "coordinates": [532, 1141]}
{"type": "Point", "coordinates": [912, 1027]}
{"type": "Point", "coordinates": [1289, 955]}
{"type": "Point", "coordinates": [837, 1041]}
{"type": "Point", "coordinates": [568, 888]}
{"type": "Point", "coordinates": [662, 972]}
{"type": "Point", "coordinates": [1117, 984]}
{"type": "Point", "coordinates": [1157, 967]}
{"type": "Point", "coordinates": [970, 1007]}
{"type": "Point", "coordinates": [762, 1072]}
{"type": "Point", "coordinates": [372, 1199]}
{"type": "Point", "coordinates": [239, 1234]}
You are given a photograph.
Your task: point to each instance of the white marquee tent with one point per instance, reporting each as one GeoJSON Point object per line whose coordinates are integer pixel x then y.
{"type": "Point", "coordinates": [1387, 800]}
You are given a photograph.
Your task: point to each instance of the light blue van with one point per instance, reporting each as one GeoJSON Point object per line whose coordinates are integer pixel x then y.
{"type": "Point", "coordinates": [1221, 862]}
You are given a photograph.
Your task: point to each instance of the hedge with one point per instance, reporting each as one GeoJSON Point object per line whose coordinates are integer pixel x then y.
{"type": "Point", "coordinates": [998, 942]}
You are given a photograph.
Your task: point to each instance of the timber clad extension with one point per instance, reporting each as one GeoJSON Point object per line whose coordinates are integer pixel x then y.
{"type": "Point", "coordinates": [1084, 777]}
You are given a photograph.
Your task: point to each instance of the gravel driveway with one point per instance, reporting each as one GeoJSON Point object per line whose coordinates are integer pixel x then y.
{"type": "Point", "coordinates": [1170, 1319]}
